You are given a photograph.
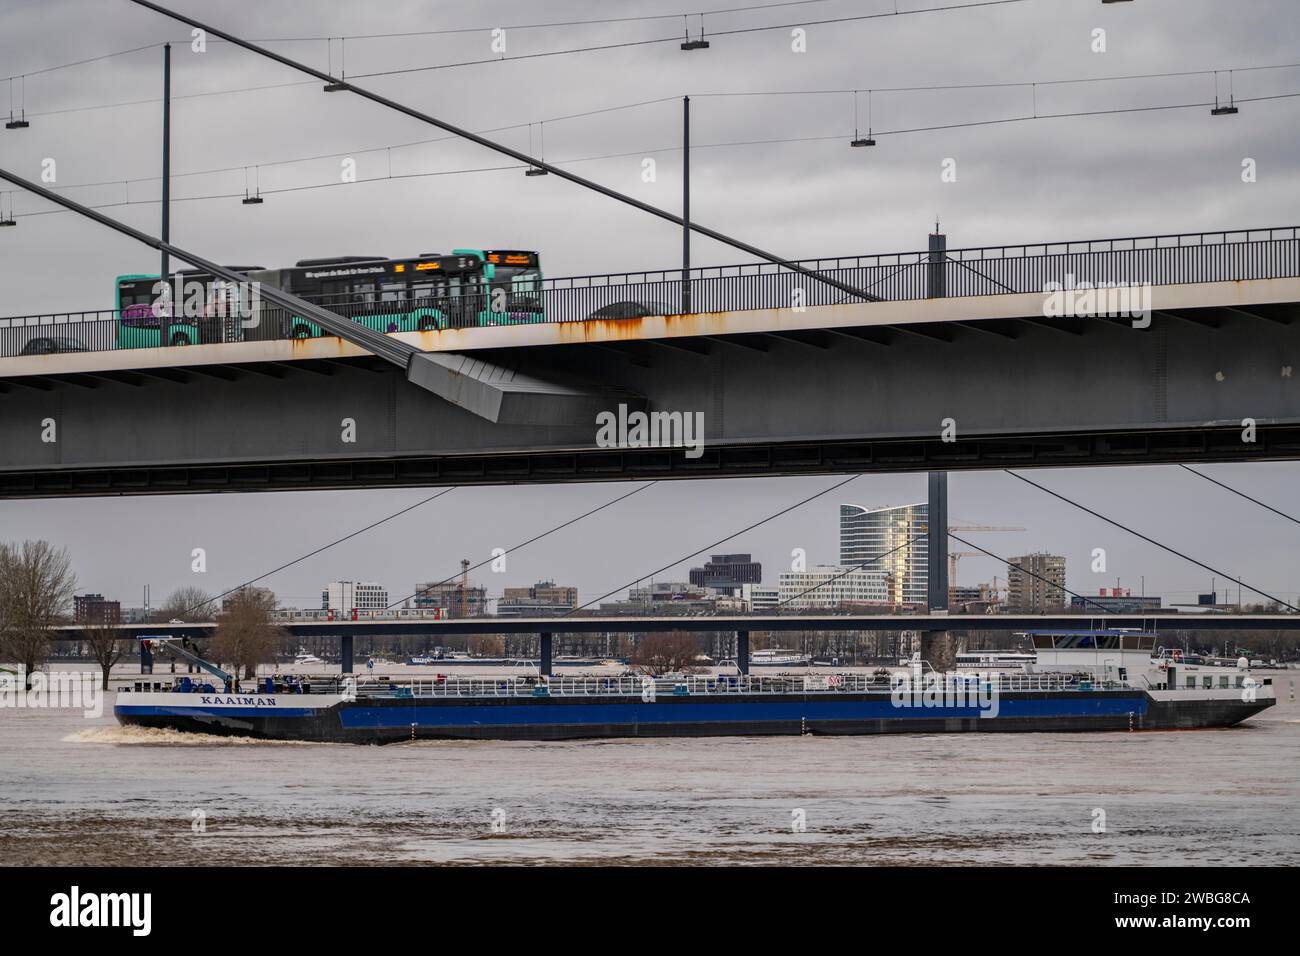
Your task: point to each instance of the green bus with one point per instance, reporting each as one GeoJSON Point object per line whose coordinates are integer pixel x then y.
{"type": "Point", "coordinates": [469, 288]}
{"type": "Point", "coordinates": [516, 279]}
{"type": "Point", "coordinates": [143, 308]}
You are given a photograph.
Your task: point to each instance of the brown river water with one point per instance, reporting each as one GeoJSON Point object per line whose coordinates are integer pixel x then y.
{"type": "Point", "coordinates": [81, 790]}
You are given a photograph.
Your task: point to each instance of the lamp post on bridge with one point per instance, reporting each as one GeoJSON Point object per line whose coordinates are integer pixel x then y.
{"type": "Point", "coordinates": [164, 274]}
{"type": "Point", "coordinates": [686, 204]}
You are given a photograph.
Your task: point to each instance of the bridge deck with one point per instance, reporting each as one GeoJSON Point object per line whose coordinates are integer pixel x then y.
{"type": "Point", "coordinates": [995, 309]}
{"type": "Point", "coordinates": [975, 285]}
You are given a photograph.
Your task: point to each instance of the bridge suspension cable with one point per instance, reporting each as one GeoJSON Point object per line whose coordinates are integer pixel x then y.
{"type": "Point", "coordinates": [1149, 540]}
{"type": "Point", "coordinates": [557, 171]}
{"type": "Point", "coordinates": [325, 547]}
{"type": "Point", "coordinates": [1060, 587]}
{"type": "Point", "coordinates": [1227, 487]}
{"type": "Point", "coordinates": [734, 534]}
{"type": "Point", "coordinates": [523, 544]}
{"type": "Point", "coordinates": [377, 343]}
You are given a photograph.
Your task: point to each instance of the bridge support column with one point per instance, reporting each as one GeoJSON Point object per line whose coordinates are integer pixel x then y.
{"type": "Point", "coordinates": [937, 647]}
{"type": "Point", "coordinates": [742, 651]}
{"type": "Point", "coordinates": [146, 659]}
{"type": "Point", "coordinates": [345, 652]}
{"type": "Point", "coordinates": [544, 666]}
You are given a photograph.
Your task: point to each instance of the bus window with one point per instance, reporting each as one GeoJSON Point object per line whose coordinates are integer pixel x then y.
{"type": "Point", "coordinates": [392, 291]}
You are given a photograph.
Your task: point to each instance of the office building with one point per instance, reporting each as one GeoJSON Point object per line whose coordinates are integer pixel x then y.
{"type": "Point", "coordinates": [760, 599]}
{"type": "Point", "coordinates": [831, 587]}
{"type": "Point", "coordinates": [344, 597]}
{"type": "Point", "coordinates": [727, 572]}
{"type": "Point", "coordinates": [543, 599]}
{"type": "Point", "coordinates": [890, 540]}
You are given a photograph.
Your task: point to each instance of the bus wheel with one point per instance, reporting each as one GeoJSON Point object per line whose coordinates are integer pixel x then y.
{"type": "Point", "coordinates": [180, 338]}
{"type": "Point", "coordinates": [428, 323]}
{"type": "Point", "coordinates": [301, 332]}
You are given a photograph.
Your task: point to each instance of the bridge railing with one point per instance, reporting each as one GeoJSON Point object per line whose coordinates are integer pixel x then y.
{"type": "Point", "coordinates": [627, 296]}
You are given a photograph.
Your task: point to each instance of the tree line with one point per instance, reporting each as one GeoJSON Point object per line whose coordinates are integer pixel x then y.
{"type": "Point", "coordinates": [37, 585]}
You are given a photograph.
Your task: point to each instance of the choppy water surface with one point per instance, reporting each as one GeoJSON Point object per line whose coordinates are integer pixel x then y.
{"type": "Point", "coordinates": [85, 791]}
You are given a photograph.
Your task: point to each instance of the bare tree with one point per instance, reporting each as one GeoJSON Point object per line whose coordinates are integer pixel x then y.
{"type": "Point", "coordinates": [189, 603]}
{"type": "Point", "coordinates": [672, 652]}
{"type": "Point", "coordinates": [36, 585]}
{"type": "Point", "coordinates": [487, 645]}
{"type": "Point", "coordinates": [107, 647]}
{"type": "Point", "coordinates": [245, 634]}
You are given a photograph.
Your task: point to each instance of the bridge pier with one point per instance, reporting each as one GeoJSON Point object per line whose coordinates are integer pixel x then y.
{"type": "Point", "coordinates": [345, 652]}
{"type": "Point", "coordinates": [146, 658]}
{"type": "Point", "coordinates": [937, 647]}
{"type": "Point", "coordinates": [544, 665]}
{"type": "Point", "coordinates": [742, 651]}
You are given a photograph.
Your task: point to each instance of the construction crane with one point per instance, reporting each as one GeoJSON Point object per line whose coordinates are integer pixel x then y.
{"type": "Point", "coordinates": [954, 555]}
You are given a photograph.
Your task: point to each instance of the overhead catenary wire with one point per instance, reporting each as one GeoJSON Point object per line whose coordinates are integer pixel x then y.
{"type": "Point", "coordinates": [1005, 84]}
{"type": "Point", "coordinates": [558, 24]}
{"type": "Point", "coordinates": [90, 59]}
{"type": "Point", "coordinates": [504, 59]}
{"type": "Point", "coordinates": [676, 39]}
{"type": "Point", "coordinates": [554, 24]}
{"type": "Point", "coordinates": [362, 150]}
{"type": "Point", "coordinates": [775, 93]}
{"type": "Point", "coordinates": [1149, 539]}
{"type": "Point", "coordinates": [603, 156]}
{"type": "Point", "coordinates": [515, 154]}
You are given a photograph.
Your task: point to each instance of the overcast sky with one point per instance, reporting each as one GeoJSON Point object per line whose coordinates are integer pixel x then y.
{"type": "Point", "coordinates": [1128, 173]}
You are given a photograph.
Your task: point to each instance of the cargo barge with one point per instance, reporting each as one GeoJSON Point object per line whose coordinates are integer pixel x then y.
{"type": "Point", "coordinates": [1078, 683]}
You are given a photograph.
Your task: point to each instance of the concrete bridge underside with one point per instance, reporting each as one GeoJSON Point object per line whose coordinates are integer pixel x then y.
{"type": "Point", "coordinates": [851, 388]}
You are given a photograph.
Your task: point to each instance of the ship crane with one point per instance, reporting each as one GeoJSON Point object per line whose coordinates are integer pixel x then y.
{"type": "Point", "coordinates": [179, 650]}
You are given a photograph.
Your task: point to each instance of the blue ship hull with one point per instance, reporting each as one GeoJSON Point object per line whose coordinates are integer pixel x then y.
{"type": "Point", "coordinates": [390, 719]}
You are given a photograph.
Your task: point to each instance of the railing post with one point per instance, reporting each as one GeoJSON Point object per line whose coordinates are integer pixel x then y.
{"type": "Point", "coordinates": [936, 285]}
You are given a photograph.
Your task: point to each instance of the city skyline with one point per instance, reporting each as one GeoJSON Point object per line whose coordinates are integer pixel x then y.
{"type": "Point", "coordinates": [579, 556]}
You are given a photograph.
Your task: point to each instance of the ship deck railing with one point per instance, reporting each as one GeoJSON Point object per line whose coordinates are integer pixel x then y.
{"type": "Point", "coordinates": [697, 685]}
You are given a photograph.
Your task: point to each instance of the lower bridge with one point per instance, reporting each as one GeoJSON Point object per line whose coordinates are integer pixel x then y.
{"type": "Point", "coordinates": [742, 626]}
